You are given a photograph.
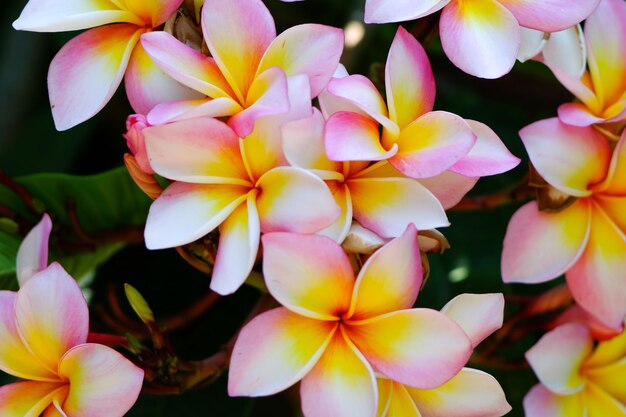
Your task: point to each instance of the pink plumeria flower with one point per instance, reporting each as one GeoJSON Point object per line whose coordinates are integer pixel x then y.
{"type": "Point", "coordinates": [601, 91]}
{"type": "Point", "coordinates": [87, 71]}
{"type": "Point", "coordinates": [246, 77]}
{"type": "Point", "coordinates": [586, 240]}
{"type": "Point", "coordinates": [336, 330]}
{"type": "Point", "coordinates": [470, 393]}
{"type": "Point", "coordinates": [240, 185]}
{"type": "Point", "coordinates": [417, 141]}
{"type": "Point", "coordinates": [577, 379]}
{"type": "Point", "coordinates": [44, 328]}
{"type": "Point", "coordinates": [482, 37]}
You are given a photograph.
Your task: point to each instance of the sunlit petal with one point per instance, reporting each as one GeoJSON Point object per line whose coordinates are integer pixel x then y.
{"type": "Point", "coordinates": [479, 315]}
{"type": "Point", "coordinates": [385, 11]}
{"type": "Point", "coordinates": [541, 402]}
{"type": "Point", "coordinates": [353, 137]}
{"type": "Point", "coordinates": [550, 15]}
{"type": "Point", "coordinates": [27, 399]}
{"type": "Point", "coordinates": [32, 255]}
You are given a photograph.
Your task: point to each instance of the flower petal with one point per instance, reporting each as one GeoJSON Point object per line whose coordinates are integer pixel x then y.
{"type": "Point", "coordinates": [569, 158]}
{"type": "Point", "coordinates": [609, 378]}
{"type": "Point", "coordinates": [577, 114]}
{"type": "Point", "coordinates": [539, 246]}
{"type": "Point", "coordinates": [600, 403]}
{"type": "Point", "coordinates": [608, 351]}
{"type": "Point", "coordinates": [541, 402]}
{"type": "Point", "coordinates": [567, 50]}
{"type": "Point", "coordinates": [86, 72]}
{"type": "Point", "coordinates": [409, 80]}
{"type": "Point", "coordinates": [309, 274]}
{"type": "Point", "coordinates": [385, 11]}
{"type": "Point", "coordinates": [480, 37]}
{"type": "Point", "coordinates": [558, 356]}
{"type": "Point", "coordinates": [421, 348]}
{"type": "Point", "coordinates": [51, 315]}
{"type": "Point", "coordinates": [103, 383]}
{"type": "Point", "coordinates": [237, 56]}
{"type": "Point", "coordinates": [489, 156]}
{"type": "Point", "coordinates": [27, 399]}
{"type": "Point", "coordinates": [400, 403]}
{"type": "Point", "coordinates": [449, 187]}
{"type": "Point", "coordinates": [432, 144]}
{"type": "Point", "coordinates": [64, 15]}
{"type": "Point", "coordinates": [550, 15]}
{"type": "Point", "coordinates": [342, 383]}
{"type": "Point", "coordinates": [155, 12]}
{"type": "Point", "coordinates": [201, 150]}
{"type": "Point", "coordinates": [238, 247]}
{"type": "Point", "coordinates": [615, 181]}
{"type": "Point", "coordinates": [471, 393]}
{"type": "Point", "coordinates": [597, 279]}
{"type": "Point", "coordinates": [274, 351]}
{"type": "Point", "coordinates": [390, 279]}
{"type": "Point", "coordinates": [338, 231]}
{"type": "Point", "coordinates": [310, 49]}
{"type": "Point", "coordinates": [15, 358]}
{"type": "Point", "coordinates": [187, 212]}
{"type": "Point", "coordinates": [294, 200]}
{"type": "Point", "coordinates": [32, 255]}
{"type": "Point", "coordinates": [388, 205]}
{"type": "Point", "coordinates": [190, 109]}
{"type": "Point", "coordinates": [479, 315]}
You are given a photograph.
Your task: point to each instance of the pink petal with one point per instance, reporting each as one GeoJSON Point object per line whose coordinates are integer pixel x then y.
{"type": "Point", "coordinates": [32, 255]}
{"type": "Point", "coordinates": [481, 37]}
{"type": "Point", "coordinates": [409, 80]}
{"type": "Point", "coordinates": [15, 358]}
{"type": "Point", "coordinates": [597, 279]}
{"type": "Point", "coordinates": [550, 15]}
{"type": "Point", "coordinates": [338, 231]}
{"type": "Point", "coordinates": [86, 72]}
{"type": "Point", "coordinates": [186, 212]}
{"type": "Point", "coordinates": [201, 150]}
{"type": "Point", "coordinates": [479, 315]}
{"type": "Point", "coordinates": [342, 383]}
{"type": "Point", "coordinates": [541, 402]}
{"type": "Point", "coordinates": [30, 398]}
{"type": "Point", "coordinates": [390, 279]}
{"type": "Point", "coordinates": [190, 109]}
{"type": "Point", "coordinates": [588, 154]}
{"type": "Point", "coordinates": [558, 357]}
{"type": "Point", "coordinates": [577, 114]}
{"type": "Point", "coordinates": [238, 56]}
{"type": "Point", "coordinates": [186, 65]}
{"type": "Point", "coordinates": [432, 144]}
{"type": "Point", "coordinates": [615, 181]}
{"type": "Point", "coordinates": [385, 11]}
{"type": "Point", "coordinates": [294, 200]}
{"type": "Point", "coordinates": [64, 15]}
{"type": "Point", "coordinates": [268, 95]}
{"type": "Point", "coordinates": [489, 156]}
{"type": "Point", "coordinates": [238, 247]}
{"type": "Point", "coordinates": [309, 274]}
{"type": "Point", "coordinates": [421, 348]}
{"type": "Point", "coordinates": [449, 187]}
{"type": "Point", "coordinates": [310, 49]}
{"type": "Point", "coordinates": [471, 393]}
{"type": "Point", "coordinates": [354, 137]}
{"type": "Point", "coordinates": [388, 205]}
{"type": "Point", "coordinates": [155, 12]}
{"type": "Point", "coordinates": [103, 382]}
{"type": "Point", "coordinates": [52, 315]}
{"type": "Point", "coordinates": [274, 351]}
{"type": "Point", "coordinates": [539, 246]}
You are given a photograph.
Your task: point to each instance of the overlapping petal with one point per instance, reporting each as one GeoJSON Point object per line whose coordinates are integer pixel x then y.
{"type": "Point", "coordinates": [353, 137]}
{"type": "Point", "coordinates": [479, 315]}
{"type": "Point", "coordinates": [154, 12]}
{"type": "Point", "coordinates": [541, 402]}
{"type": "Point", "coordinates": [27, 398]}
{"type": "Point", "coordinates": [275, 350]}
{"type": "Point", "coordinates": [32, 255]}
{"type": "Point", "coordinates": [550, 15]}
{"type": "Point", "coordinates": [449, 187]}
{"type": "Point", "coordinates": [385, 11]}
{"type": "Point", "coordinates": [600, 403]}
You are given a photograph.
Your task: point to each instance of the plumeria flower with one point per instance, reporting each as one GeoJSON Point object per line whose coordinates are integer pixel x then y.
{"type": "Point", "coordinates": [86, 72]}
{"type": "Point", "coordinates": [482, 37]}
{"type": "Point", "coordinates": [240, 185]}
{"type": "Point", "coordinates": [601, 91]}
{"type": "Point", "coordinates": [584, 235]}
{"type": "Point", "coordinates": [44, 328]}
{"type": "Point", "coordinates": [420, 143]}
{"type": "Point", "coordinates": [470, 393]}
{"type": "Point", "coordinates": [334, 331]}
{"type": "Point", "coordinates": [246, 77]}
{"type": "Point", "coordinates": [577, 379]}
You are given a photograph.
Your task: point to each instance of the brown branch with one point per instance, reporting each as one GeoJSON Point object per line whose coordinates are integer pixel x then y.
{"type": "Point", "coordinates": [18, 189]}
{"type": "Point", "coordinates": [518, 193]}
{"type": "Point", "coordinates": [192, 313]}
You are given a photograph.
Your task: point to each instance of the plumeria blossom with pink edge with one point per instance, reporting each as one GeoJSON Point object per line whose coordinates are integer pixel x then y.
{"type": "Point", "coordinates": [44, 328]}
{"type": "Point", "coordinates": [482, 37]}
{"type": "Point", "coordinates": [87, 71]}
{"type": "Point", "coordinates": [470, 393]}
{"type": "Point", "coordinates": [437, 146]}
{"type": "Point", "coordinates": [577, 378]}
{"type": "Point", "coordinates": [585, 237]}
{"type": "Point", "coordinates": [246, 76]}
{"type": "Point", "coordinates": [337, 333]}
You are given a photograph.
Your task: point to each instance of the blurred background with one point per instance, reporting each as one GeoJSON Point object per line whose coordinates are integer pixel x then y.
{"type": "Point", "coordinates": [29, 144]}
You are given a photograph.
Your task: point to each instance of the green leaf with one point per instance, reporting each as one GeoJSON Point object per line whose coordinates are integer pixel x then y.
{"type": "Point", "coordinates": [104, 202]}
